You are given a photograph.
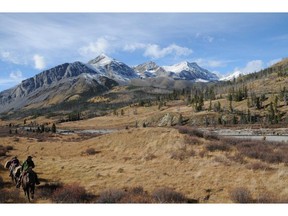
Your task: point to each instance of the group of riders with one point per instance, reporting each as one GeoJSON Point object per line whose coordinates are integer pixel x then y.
{"type": "Point", "coordinates": [18, 171]}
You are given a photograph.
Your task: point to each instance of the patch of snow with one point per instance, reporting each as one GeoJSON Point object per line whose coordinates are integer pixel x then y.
{"type": "Point", "coordinates": [201, 80]}
{"type": "Point", "coordinates": [235, 75]}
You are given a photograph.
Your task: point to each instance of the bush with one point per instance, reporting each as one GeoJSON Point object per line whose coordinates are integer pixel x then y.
{"type": "Point", "coordinates": [11, 196]}
{"type": "Point", "coordinates": [241, 195]}
{"type": "Point", "coordinates": [266, 197]}
{"type": "Point", "coordinates": [111, 196]}
{"type": "Point", "coordinates": [230, 141]}
{"type": "Point", "coordinates": [91, 151]}
{"type": "Point", "coordinates": [168, 195]}
{"type": "Point", "coordinates": [218, 146]}
{"type": "Point", "coordinates": [182, 154]}
{"type": "Point", "coordinates": [192, 140]}
{"type": "Point", "coordinates": [3, 151]}
{"type": "Point", "coordinates": [9, 148]}
{"type": "Point", "coordinates": [211, 136]}
{"type": "Point", "coordinates": [136, 195]}
{"type": "Point", "coordinates": [45, 191]}
{"type": "Point", "coordinates": [267, 152]}
{"type": "Point", "coordinates": [70, 194]}
{"type": "Point", "coordinates": [190, 131]}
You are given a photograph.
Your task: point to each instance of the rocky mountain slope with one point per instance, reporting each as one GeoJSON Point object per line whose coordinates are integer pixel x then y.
{"type": "Point", "coordinates": [55, 85]}
{"type": "Point", "coordinates": [69, 81]}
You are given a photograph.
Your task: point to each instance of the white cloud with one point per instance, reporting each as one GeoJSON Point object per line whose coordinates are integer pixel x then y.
{"type": "Point", "coordinates": [210, 63]}
{"type": "Point", "coordinates": [39, 62]}
{"type": "Point", "coordinates": [204, 37]}
{"type": "Point", "coordinates": [16, 75]}
{"type": "Point", "coordinates": [251, 67]}
{"type": "Point", "coordinates": [101, 45]}
{"type": "Point", "coordinates": [155, 51]}
{"type": "Point", "coordinates": [9, 56]}
{"type": "Point", "coordinates": [134, 46]}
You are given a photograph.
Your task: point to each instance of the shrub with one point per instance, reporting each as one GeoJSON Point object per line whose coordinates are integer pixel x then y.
{"type": "Point", "coordinates": [217, 146]}
{"type": "Point", "coordinates": [90, 151]}
{"type": "Point", "coordinates": [9, 148]}
{"type": "Point", "coordinates": [192, 140]}
{"type": "Point", "coordinates": [70, 194]}
{"type": "Point", "coordinates": [111, 196]}
{"type": "Point", "coordinates": [267, 197]}
{"type": "Point", "coordinates": [237, 158]}
{"type": "Point", "coordinates": [168, 195]}
{"type": "Point", "coordinates": [267, 152]}
{"type": "Point", "coordinates": [136, 195]}
{"type": "Point", "coordinates": [190, 131]}
{"type": "Point", "coordinates": [182, 154]}
{"type": "Point", "coordinates": [45, 191]}
{"type": "Point", "coordinates": [230, 141]}
{"type": "Point", "coordinates": [11, 196]}
{"type": "Point", "coordinates": [241, 195]}
{"type": "Point", "coordinates": [3, 152]}
{"type": "Point", "coordinates": [211, 136]}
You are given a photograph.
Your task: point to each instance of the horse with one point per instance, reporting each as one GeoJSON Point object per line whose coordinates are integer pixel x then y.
{"type": "Point", "coordinates": [15, 175]}
{"type": "Point", "coordinates": [28, 182]}
{"type": "Point", "coordinates": [14, 170]}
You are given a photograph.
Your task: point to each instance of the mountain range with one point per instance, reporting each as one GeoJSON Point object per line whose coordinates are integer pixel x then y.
{"type": "Point", "coordinates": [69, 81]}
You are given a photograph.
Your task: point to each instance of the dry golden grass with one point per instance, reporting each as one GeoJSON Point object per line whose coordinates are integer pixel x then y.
{"type": "Point", "coordinates": [142, 157]}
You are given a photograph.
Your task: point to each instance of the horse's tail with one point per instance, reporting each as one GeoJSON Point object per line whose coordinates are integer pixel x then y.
{"type": "Point", "coordinates": [17, 171]}
{"type": "Point", "coordinates": [7, 164]}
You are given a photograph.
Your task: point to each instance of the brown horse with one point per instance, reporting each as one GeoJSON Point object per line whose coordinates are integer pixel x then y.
{"type": "Point", "coordinates": [28, 183]}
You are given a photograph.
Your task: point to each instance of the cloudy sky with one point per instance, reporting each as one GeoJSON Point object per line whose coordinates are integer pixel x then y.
{"type": "Point", "coordinates": [220, 42]}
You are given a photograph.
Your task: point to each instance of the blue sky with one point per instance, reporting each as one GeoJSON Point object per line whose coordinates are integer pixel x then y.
{"type": "Point", "coordinates": [220, 42]}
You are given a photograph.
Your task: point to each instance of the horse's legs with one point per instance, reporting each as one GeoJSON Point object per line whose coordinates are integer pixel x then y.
{"type": "Point", "coordinates": [27, 192]}
{"type": "Point", "coordinates": [32, 192]}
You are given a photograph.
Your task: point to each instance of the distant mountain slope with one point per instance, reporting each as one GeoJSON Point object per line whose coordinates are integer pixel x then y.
{"type": "Point", "coordinates": [190, 71]}
{"type": "Point", "coordinates": [69, 81]}
{"type": "Point", "coordinates": [149, 69]}
{"type": "Point", "coordinates": [112, 68]}
{"type": "Point", "coordinates": [55, 85]}
{"type": "Point", "coordinates": [181, 71]}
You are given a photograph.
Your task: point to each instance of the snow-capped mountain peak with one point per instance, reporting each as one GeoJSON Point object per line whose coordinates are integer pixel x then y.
{"type": "Point", "coordinates": [101, 60]}
{"type": "Point", "coordinates": [112, 68]}
{"type": "Point", "coordinates": [232, 76]}
{"type": "Point", "coordinates": [190, 71]}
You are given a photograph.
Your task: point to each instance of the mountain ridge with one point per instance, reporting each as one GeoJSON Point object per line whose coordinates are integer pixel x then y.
{"type": "Point", "coordinates": [98, 75]}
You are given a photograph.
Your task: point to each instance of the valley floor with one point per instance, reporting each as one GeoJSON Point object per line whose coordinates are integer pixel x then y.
{"type": "Point", "coordinates": [152, 158]}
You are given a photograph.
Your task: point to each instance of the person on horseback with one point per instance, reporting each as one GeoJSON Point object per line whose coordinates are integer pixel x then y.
{"type": "Point", "coordinates": [14, 162]}
{"type": "Point", "coordinates": [28, 164]}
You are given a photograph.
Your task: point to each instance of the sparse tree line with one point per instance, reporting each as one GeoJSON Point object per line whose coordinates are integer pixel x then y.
{"type": "Point", "coordinates": [33, 127]}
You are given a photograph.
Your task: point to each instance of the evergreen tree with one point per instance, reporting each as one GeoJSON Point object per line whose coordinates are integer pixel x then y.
{"type": "Point", "coordinates": [53, 128]}
{"type": "Point", "coordinates": [235, 120]}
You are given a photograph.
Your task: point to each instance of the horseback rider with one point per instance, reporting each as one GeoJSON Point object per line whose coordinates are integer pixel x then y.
{"type": "Point", "coordinates": [14, 162]}
{"type": "Point", "coordinates": [28, 164]}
